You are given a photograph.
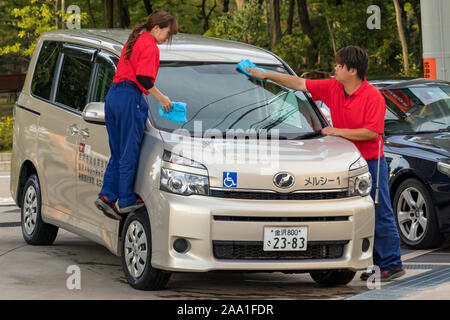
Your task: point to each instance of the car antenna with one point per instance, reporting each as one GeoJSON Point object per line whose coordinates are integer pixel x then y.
{"type": "Point", "coordinates": [378, 174]}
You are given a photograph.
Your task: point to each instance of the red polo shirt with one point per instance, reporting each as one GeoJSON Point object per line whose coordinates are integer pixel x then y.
{"type": "Point", "coordinates": [364, 108]}
{"type": "Point", "coordinates": [143, 61]}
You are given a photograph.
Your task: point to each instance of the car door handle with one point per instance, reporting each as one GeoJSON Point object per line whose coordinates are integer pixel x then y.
{"type": "Point", "coordinates": [73, 129]}
{"type": "Point", "coordinates": [84, 132]}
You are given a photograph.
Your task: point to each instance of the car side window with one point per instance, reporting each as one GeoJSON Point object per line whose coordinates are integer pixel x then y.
{"type": "Point", "coordinates": [106, 69]}
{"type": "Point", "coordinates": [74, 81]}
{"type": "Point", "coordinates": [45, 69]}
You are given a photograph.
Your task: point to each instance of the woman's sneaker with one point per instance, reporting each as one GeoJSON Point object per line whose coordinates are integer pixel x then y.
{"type": "Point", "coordinates": [108, 207]}
{"type": "Point", "coordinates": [138, 204]}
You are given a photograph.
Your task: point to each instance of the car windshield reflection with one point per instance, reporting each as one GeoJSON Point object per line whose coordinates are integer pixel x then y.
{"type": "Point", "coordinates": [219, 97]}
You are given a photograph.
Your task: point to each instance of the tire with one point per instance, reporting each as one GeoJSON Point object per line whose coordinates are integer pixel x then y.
{"type": "Point", "coordinates": [34, 230]}
{"type": "Point", "coordinates": [333, 277]}
{"type": "Point", "coordinates": [415, 216]}
{"type": "Point", "coordinates": [136, 253]}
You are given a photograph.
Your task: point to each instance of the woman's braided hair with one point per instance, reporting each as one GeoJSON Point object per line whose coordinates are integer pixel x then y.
{"type": "Point", "coordinates": [159, 18]}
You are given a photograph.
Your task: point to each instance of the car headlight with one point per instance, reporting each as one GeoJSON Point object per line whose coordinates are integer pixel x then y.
{"type": "Point", "coordinates": [176, 159]}
{"type": "Point", "coordinates": [183, 183]}
{"type": "Point", "coordinates": [358, 164]}
{"type": "Point", "coordinates": [360, 185]}
{"type": "Point", "coordinates": [444, 167]}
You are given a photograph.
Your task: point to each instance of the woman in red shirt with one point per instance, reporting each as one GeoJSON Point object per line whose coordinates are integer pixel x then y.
{"type": "Point", "coordinates": [126, 111]}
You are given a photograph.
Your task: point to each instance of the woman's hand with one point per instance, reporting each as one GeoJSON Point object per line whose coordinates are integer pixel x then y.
{"type": "Point", "coordinates": [165, 103]}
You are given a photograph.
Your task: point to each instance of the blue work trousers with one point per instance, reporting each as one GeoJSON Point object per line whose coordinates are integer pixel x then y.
{"type": "Point", "coordinates": [386, 252]}
{"type": "Point", "coordinates": [125, 115]}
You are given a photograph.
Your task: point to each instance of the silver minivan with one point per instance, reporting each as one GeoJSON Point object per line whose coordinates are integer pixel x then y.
{"type": "Point", "coordinates": [247, 183]}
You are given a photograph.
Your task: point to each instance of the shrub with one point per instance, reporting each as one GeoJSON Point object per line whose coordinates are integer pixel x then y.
{"type": "Point", "coordinates": [6, 126]}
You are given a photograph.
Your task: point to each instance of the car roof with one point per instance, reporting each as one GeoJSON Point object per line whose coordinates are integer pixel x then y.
{"type": "Point", "coordinates": [415, 83]}
{"type": "Point", "coordinates": [184, 47]}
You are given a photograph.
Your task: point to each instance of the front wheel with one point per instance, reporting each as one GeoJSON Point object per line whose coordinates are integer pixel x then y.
{"type": "Point", "coordinates": [333, 277]}
{"type": "Point", "coordinates": [136, 254]}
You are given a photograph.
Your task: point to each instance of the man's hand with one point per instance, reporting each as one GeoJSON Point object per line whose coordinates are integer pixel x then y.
{"type": "Point", "coordinates": [330, 131]}
{"type": "Point", "coordinates": [256, 73]}
{"type": "Point", "coordinates": [360, 134]}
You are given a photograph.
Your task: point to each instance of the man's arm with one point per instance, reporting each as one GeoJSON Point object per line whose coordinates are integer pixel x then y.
{"type": "Point", "coordinates": [292, 82]}
{"type": "Point", "coordinates": [361, 134]}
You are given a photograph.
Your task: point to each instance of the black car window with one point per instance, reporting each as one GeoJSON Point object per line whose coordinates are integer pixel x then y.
{"type": "Point", "coordinates": [106, 68]}
{"type": "Point", "coordinates": [417, 109]}
{"type": "Point", "coordinates": [74, 81]}
{"type": "Point", "coordinates": [45, 69]}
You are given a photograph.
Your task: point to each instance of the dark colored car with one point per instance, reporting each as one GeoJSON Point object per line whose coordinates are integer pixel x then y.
{"type": "Point", "coordinates": [417, 149]}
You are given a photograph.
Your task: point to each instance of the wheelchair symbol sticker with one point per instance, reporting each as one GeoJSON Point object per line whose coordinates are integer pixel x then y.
{"type": "Point", "coordinates": [230, 179]}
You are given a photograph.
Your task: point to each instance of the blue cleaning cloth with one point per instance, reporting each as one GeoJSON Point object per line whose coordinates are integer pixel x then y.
{"type": "Point", "coordinates": [177, 114]}
{"type": "Point", "coordinates": [246, 63]}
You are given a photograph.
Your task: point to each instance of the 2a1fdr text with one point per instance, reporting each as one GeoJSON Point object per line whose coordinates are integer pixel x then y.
{"type": "Point", "coordinates": [232, 309]}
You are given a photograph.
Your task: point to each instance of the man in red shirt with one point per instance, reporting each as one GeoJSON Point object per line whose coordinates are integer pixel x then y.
{"type": "Point", "coordinates": [357, 112]}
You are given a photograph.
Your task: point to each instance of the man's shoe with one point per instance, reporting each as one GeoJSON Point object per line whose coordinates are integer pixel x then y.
{"type": "Point", "coordinates": [366, 275]}
{"type": "Point", "coordinates": [388, 275]}
{"type": "Point", "coordinates": [138, 204]}
{"type": "Point", "coordinates": [108, 208]}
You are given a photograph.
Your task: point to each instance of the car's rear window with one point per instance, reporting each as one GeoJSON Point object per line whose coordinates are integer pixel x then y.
{"type": "Point", "coordinates": [219, 97]}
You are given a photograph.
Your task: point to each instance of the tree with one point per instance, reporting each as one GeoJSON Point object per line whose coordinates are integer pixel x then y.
{"type": "Point", "coordinates": [205, 15]}
{"type": "Point", "coordinates": [275, 28]}
{"type": "Point", "coordinates": [148, 6]}
{"type": "Point", "coordinates": [401, 35]}
{"type": "Point", "coordinates": [307, 29]}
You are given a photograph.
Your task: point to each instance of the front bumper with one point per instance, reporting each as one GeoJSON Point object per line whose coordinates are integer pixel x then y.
{"type": "Point", "coordinates": [204, 221]}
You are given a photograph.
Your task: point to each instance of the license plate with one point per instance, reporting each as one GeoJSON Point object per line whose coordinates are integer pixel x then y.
{"type": "Point", "coordinates": [285, 238]}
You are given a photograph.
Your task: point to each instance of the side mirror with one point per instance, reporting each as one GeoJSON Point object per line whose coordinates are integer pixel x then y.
{"type": "Point", "coordinates": [94, 112]}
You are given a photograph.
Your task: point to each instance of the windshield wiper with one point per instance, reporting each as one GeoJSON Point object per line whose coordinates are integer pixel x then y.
{"type": "Point", "coordinates": [257, 136]}
{"type": "Point", "coordinates": [308, 135]}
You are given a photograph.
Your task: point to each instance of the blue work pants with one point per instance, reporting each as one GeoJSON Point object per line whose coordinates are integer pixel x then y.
{"type": "Point", "coordinates": [125, 115]}
{"type": "Point", "coordinates": [386, 253]}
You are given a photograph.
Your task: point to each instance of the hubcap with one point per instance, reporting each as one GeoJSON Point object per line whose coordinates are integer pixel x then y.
{"type": "Point", "coordinates": [412, 214]}
{"type": "Point", "coordinates": [136, 249]}
{"type": "Point", "coordinates": [30, 208]}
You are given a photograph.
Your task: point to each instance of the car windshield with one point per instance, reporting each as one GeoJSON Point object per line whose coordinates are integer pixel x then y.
{"type": "Point", "coordinates": [219, 97]}
{"type": "Point", "coordinates": [417, 110]}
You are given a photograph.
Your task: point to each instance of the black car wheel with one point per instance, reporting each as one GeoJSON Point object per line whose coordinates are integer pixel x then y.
{"type": "Point", "coordinates": [333, 277]}
{"type": "Point", "coordinates": [137, 252]}
{"type": "Point", "coordinates": [35, 231]}
{"type": "Point", "coordinates": [415, 215]}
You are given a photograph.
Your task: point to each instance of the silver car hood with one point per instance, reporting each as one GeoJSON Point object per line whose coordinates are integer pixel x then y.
{"type": "Point", "coordinates": [318, 163]}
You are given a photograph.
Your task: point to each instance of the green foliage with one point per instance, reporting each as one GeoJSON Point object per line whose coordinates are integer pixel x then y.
{"type": "Point", "coordinates": [22, 21]}
{"type": "Point", "coordinates": [292, 49]}
{"type": "Point", "coordinates": [31, 21]}
{"type": "Point", "coordinates": [6, 125]}
{"type": "Point", "coordinates": [248, 25]}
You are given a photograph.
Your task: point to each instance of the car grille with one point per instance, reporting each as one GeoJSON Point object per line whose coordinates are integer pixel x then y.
{"type": "Point", "coordinates": [253, 250]}
{"type": "Point", "coordinates": [249, 195]}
